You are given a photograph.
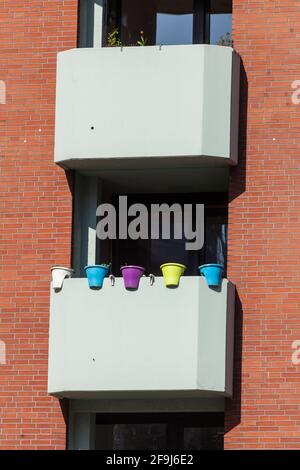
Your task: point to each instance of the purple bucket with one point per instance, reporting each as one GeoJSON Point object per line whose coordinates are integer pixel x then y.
{"type": "Point", "coordinates": [132, 276]}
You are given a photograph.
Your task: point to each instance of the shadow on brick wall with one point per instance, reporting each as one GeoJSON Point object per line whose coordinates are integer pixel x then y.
{"type": "Point", "coordinates": [237, 186]}
{"type": "Point", "coordinates": [233, 406]}
{"type": "Point", "coordinates": [64, 406]}
{"type": "Point", "coordinates": [237, 182]}
{"type": "Point", "coordinates": [70, 177]}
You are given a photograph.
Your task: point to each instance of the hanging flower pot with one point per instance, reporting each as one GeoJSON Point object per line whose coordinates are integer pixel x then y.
{"type": "Point", "coordinates": [96, 274]}
{"type": "Point", "coordinates": [132, 276]}
{"type": "Point", "coordinates": [212, 273]}
{"type": "Point", "coordinates": [59, 274]}
{"type": "Point", "coordinates": [172, 273]}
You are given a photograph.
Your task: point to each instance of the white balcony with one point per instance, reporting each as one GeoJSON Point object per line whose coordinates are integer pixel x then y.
{"type": "Point", "coordinates": [151, 342]}
{"type": "Point", "coordinates": [144, 106]}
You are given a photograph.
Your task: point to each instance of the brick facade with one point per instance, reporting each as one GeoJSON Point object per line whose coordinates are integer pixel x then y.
{"type": "Point", "coordinates": [264, 225]}
{"type": "Point", "coordinates": [36, 215]}
{"type": "Point", "coordinates": [264, 229]}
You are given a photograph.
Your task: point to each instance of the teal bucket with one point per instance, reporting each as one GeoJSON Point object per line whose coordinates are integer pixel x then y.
{"type": "Point", "coordinates": [212, 273]}
{"type": "Point", "coordinates": [96, 274]}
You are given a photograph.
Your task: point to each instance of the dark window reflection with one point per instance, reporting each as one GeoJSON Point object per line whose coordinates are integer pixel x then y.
{"type": "Point", "coordinates": [203, 438]}
{"type": "Point", "coordinates": [151, 253]}
{"type": "Point", "coordinates": [175, 431]}
{"type": "Point", "coordinates": [140, 436]}
{"type": "Point", "coordinates": [169, 22]}
{"type": "Point", "coordinates": [216, 239]}
{"type": "Point", "coordinates": [162, 22]}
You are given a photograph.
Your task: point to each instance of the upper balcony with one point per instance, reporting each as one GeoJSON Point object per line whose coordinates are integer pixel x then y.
{"type": "Point", "coordinates": [147, 106]}
{"type": "Point", "coordinates": [151, 342]}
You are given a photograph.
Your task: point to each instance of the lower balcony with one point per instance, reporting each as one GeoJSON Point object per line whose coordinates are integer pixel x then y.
{"type": "Point", "coordinates": [151, 342]}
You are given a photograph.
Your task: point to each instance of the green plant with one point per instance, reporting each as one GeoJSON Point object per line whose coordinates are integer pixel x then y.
{"type": "Point", "coordinates": [106, 265]}
{"type": "Point", "coordinates": [225, 41]}
{"type": "Point", "coordinates": [113, 39]}
{"type": "Point", "coordinates": [142, 41]}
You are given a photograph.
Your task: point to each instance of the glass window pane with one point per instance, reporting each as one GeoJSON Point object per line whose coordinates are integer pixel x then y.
{"type": "Point", "coordinates": [137, 16]}
{"type": "Point", "coordinates": [216, 240]}
{"type": "Point", "coordinates": [167, 22]}
{"type": "Point", "coordinates": [220, 22]}
{"type": "Point", "coordinates": [131, 436]}
{"type": "Point", "coordinates": [159, 431]}
{"type": "Point", "coordinates": [151, 253]}
{"type": "Point", "coordinates": [140, 436]}
{"type": "Point", "coordinates": [220, 29]}
{"type": "Point", "coordinates": [167, 251]}
{"type": "Point", "coordinates": [174, 29]}
{"type": "Point", "coordinates": [203, 438]}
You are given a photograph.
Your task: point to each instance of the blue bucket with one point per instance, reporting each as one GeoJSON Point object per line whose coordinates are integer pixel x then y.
{"type": "Point", "coordinates": [212, 273]}
{"type": "Point", "coordinates": [96, 274]}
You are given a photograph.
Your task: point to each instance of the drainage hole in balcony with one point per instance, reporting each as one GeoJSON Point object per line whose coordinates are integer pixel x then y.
{"type": "Point", "coordinates": [92, 128]}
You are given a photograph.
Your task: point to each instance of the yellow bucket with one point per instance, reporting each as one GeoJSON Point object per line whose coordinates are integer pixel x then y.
{"type": "Point", "coordinates": [172, 273]}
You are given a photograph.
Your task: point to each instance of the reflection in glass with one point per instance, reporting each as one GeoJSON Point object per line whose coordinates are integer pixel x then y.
{"type": "Point", "coordinates": [220, 22]}
{"type": "Point", "coordinates": [174, 29]}
{"type": "Point", "coordinates": [131, 436]}
{"type": "Point", "coordinates": [176, 434]}
{"type": "Point", "coordinates": [151, 253]}
{"type": "Point", "coordinates": [161, 21]}
{"type": "Point", "coordinates": [203, 438]}
{"type": "Point", "coordinates": [216, 240]}
{"type": "Point", "coordinates": [220, 29]}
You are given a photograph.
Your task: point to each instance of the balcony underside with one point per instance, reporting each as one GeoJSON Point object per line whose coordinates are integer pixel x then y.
{"type": "Point", "coordinates": [154, 342]}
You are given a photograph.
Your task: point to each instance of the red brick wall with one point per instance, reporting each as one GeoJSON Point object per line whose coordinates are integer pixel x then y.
{"type": "Point", "coordinates": [35, 225]}
{"type": "Point", "coordinates": [264, 229]}
{"type": "Point", "coordinates": [264, 226]}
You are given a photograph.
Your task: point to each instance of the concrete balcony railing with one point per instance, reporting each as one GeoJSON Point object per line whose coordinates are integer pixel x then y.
{"type": "Point", "coordinates": [147, 103]}
{"type": "Point", "coordinates": [151, 342]}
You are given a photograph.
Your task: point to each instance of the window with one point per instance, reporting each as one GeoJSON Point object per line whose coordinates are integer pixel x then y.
{"type": "Point", "coordinates": [168, 22]}
{"type": "Point", "coordinates": [162, 21]}
{"type": "Point", "coordinates": [159, 431]}
{"type": "Point", "coordinates": [220, 22]}
{"type": "Point", "coordinates": [152, 253]}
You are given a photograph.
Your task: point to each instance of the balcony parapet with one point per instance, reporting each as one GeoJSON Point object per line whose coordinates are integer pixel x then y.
{"type": "Point", "coordinates": [151, 342]}
{"type": "Point", "coordinates": [174, 105]}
